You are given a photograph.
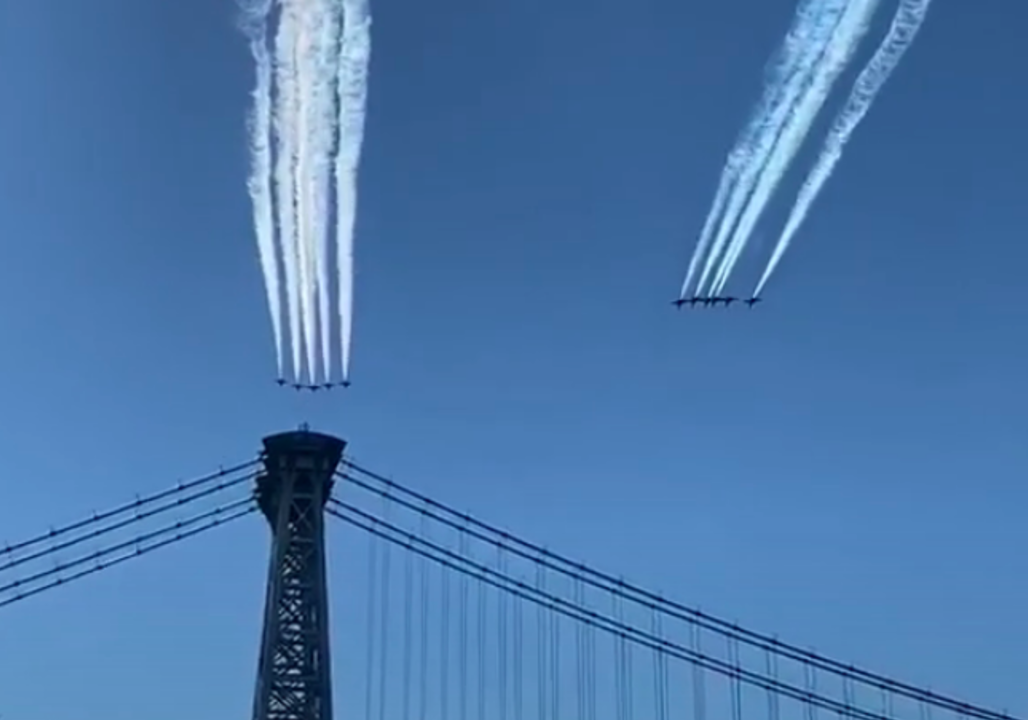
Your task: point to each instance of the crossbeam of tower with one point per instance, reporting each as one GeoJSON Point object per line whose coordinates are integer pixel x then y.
{"type": "Point", "coordinates": [294, 674]}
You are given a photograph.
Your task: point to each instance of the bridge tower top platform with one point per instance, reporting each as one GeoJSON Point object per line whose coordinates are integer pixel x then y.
{"type": "Point", "coordinates": [306, 458]}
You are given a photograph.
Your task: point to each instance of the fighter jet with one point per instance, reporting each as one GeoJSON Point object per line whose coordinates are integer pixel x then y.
{"type": "Point", "coordinates": [725, 300]}
{"type": "Point", "coordinates": [691, 302]}
{"type": "Point", "coordinates": [281, 382]}
{"type": "Point", "coordinates": [330, 385]}
{"type": "Point", "coordinates": [752, 301]}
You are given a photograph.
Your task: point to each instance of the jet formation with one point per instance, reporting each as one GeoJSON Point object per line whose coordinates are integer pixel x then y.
{"type": "Point", "coordinates": [282, 382]}
{"type": "Point", "coordinates": [306, 132]}
{"type": "Point", "coordinates": [713, 301]}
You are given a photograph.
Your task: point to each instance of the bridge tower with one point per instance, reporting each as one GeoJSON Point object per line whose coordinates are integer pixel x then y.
{"type": "Point", "coordinates": [294, 673]}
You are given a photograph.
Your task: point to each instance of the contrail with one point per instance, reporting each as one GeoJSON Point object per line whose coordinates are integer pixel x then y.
{"type": "Point", "coordinates": [810, 30]}
{"type": "Point", "coordinates": [285, 162]}
{"type": "Point", "coordinates": [255, 26]}
{"type": "Point", "coordinates": [311, 95]}
{"type": "Point", "coordinates": [352, 92]}
{"type": "Point", "coordinates": [844, 41]}
{"type": "Point", "coordinates": [325, 27]}
{"type": "Point", "coordinates": [905, 26]}
{"type": "Point", "coordinates": [304, 53]}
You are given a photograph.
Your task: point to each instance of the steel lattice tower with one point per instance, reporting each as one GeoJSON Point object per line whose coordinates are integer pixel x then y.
{"type": "Point", "coordinates": [294, 674]}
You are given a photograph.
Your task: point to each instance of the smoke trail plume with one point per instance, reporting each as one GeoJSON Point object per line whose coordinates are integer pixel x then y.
{"type": "Point", "coordinates": [326, 18]}
{"type": "Point", "coordinates": [811, 30]}
{"type": "Point", "coordinates": [352, 92]}
{"type": "Point", "coordinates": [301, 182]}
{"type": "Point", "coordinates": [286, 105]}
{"type": "Point", "coordinates": [905, 26]}
{"type": "Point", "coordinates": [255, 26]}
{"type": "Point", "coordinates": [311, 97]}
{"type": "Point", "coordinates": [844, 41]}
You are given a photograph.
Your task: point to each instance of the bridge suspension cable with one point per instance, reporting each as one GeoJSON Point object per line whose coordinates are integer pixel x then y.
{"type": "Point", "coordinates": [138, 517]}
{"type": "Point", "coordinates": [623, 631]}
{"type": "Point", "coordinates": [849, 675]}
{"type": "Point", "coordinates": [139, 502]}
{"type": "Point", "coordinates": [137, 547]}
{"type": "Point", "coordinates": [14, 590]}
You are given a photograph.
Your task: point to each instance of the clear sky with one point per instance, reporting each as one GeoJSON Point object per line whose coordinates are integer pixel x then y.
{"type": "Point", "coordinates": [844, 465]}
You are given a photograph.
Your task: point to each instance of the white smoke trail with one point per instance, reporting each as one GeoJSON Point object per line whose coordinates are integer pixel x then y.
{"type": "Point", "coordinates": [845, 39]}
{"type": "Point", "coordinates": [255, 26]}
{"type": "Point", "coordinates": [352, 92]}
{"type": "Point", "coordinates": [786, 70]}
{"type": "Point", "coordinates": [321, 54]}
{"type": "Point", "coordinates": [905, 26]}
{"type": "Point", "coordinates": [725, 186]}
{"type": "Point", "coordinates": [285, 163]}
{"type": "Point", "coordinates": [808, 39]}
{"type": "Point", "coordinates": [325, 20]}
{"type": "Point", "coordinates": [305, 128]}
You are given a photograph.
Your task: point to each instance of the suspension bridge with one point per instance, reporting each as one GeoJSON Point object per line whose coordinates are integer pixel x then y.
{"type": "Point", "coordinates": [462, 621]}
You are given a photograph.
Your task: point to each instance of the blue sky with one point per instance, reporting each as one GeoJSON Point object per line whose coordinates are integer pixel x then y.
{"type": "Point", "coordinates": [843, 466]}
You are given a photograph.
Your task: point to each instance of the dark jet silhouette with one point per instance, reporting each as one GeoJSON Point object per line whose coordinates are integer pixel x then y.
{"type": "Point", "coordinates": [691, 301]}
{"type": "Point", "coordinates": [281, 382]}
{"type": "Point", "coordinates": [726, 301]}
{"type": "Point", "coordinates": [314, 387]}
{"type": "Point", "coordinates": [752, 301]}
